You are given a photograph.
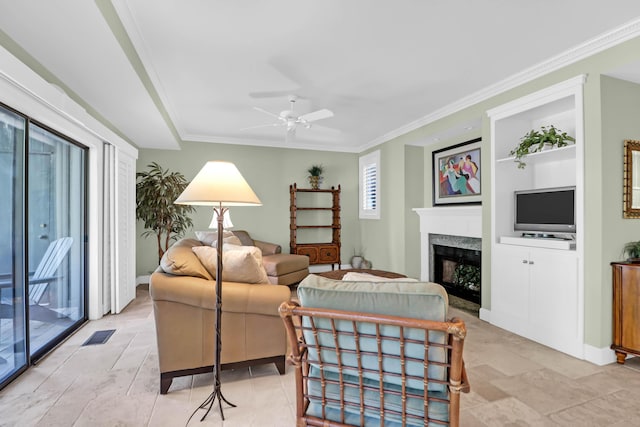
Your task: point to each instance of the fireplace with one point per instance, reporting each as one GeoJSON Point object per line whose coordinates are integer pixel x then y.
{"type": "Point", "coordinates": [458, 227]}
{"type": "Point", "coordinates": [458, 270]}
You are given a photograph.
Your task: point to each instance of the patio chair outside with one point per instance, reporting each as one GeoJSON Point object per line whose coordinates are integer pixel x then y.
{"type": "Point", "coordinates": [46, 270]}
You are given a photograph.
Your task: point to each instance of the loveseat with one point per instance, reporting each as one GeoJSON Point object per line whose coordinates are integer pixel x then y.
{"type": "Point", "coordinates": [183, 294]}
{"type": "Point", "coordinates": [282, 269]}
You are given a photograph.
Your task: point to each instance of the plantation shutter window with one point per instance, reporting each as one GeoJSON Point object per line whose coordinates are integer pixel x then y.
{"type": "Point", "coordinates": [369, 187]}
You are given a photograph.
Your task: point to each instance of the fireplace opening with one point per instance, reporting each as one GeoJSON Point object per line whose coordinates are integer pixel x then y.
{"type": "Point", "coordinates": [458, 270]}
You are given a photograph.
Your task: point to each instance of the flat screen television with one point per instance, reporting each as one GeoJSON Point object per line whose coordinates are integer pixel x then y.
{"type": "Point", "coordinates": [545, 210]}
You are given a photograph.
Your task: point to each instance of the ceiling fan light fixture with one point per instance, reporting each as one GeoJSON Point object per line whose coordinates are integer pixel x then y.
{"type": "Point", "coordinates": [289, 119]}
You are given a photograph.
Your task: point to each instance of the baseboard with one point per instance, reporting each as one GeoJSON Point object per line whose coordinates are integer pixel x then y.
{"type": "Point", "coordinates": [142, 280]}
{"type": "Point", "coordinates": [485, 315]}
{"type": "Point", "coordinates": [599, 356]}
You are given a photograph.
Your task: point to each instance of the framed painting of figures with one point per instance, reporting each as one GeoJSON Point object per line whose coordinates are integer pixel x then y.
{"type": "Point", "coordinates": [457, 174]}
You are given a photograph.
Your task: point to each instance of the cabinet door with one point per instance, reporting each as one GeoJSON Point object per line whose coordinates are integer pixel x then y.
{"type": "Point", "coordinates": [629, 310]}
{"type": "Point", "coordinates": [310, 251]}
{"type": "Point", "coordinates": [328, 254]}
{"type": "Point", "coordinates": [553, 303]}
{"type": "Point", "coordinates": [510, 288]}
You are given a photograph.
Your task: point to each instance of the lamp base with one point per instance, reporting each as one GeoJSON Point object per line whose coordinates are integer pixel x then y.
{"type": "Point", "coordinates": [208, 404]}
{"type": "Point", "coordinates": [217, 384]}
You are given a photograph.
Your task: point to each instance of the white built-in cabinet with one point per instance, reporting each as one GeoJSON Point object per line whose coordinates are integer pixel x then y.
{"type": "Point", "coordinates": [537, 288]}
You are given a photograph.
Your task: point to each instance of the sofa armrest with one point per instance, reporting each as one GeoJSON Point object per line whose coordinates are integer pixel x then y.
{"type": "Point", "coordinates": [268, 248]}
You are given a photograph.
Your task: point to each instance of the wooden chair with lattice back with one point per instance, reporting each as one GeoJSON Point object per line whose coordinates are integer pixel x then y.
{"type": "Point", "coordinates": [359, 364]}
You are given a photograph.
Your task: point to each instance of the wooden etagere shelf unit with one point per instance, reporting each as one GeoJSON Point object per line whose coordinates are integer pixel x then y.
{"type": "Point", "coordinates": [318, 253]}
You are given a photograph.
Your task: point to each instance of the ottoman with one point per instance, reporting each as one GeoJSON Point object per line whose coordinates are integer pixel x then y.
{"type": "Point", "coordinates": [286, 269]}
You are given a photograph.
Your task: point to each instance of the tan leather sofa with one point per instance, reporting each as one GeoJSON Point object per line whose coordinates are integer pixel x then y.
{"type": "Point", "coordinates": [183, 294]}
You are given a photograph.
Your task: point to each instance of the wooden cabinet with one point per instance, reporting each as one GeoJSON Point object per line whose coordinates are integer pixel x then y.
{"type": "Point", "coordinates": [315, 224]}
{"type": "Point", "coordinates": [626, 309]}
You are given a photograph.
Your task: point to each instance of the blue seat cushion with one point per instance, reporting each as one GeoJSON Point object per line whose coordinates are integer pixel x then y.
{"type": "Point", "coordinates": [415, 405]}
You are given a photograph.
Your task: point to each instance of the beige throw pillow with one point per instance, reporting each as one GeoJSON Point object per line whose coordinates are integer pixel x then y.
{"type": "Point", "coordinates": [241, 264]}
{"type": "Point", "coordinates": [180, 260]}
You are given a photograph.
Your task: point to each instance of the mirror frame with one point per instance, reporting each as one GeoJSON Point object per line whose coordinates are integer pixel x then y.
{"type": "Point", "coordinates": [630, 146]}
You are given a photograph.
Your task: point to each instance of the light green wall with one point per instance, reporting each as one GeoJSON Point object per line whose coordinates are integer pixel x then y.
{"type": "Point", "coordinates": [415, 176]}
{"type": "Point", "coordinates": [601, 164]}
{"type": "Point", "coordinates": [269, 171]}
{"type": "Point", "coordinates": [620, 121]}
{"type": "Point", "coordinates": [382, 240]}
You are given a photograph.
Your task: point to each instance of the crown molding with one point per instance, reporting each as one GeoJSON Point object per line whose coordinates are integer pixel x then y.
{"type": "Point", "coordinates": [294, 145]}
{"type": "Point", "coordinates": [588, 48]}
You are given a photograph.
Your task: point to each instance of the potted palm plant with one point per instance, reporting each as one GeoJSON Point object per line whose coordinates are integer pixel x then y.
{"type": "Point", "coordinates": [315, 176]}
{"type": "Point", "coordinates": [156, 190]}
{"type": "Point", "coordinates": [540, 140]}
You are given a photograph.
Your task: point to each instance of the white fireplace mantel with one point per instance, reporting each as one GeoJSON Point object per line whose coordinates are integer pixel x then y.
{"type": "Point", "coordinates": [463, 221]}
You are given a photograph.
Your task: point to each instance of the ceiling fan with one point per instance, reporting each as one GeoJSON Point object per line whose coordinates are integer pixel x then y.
{"type": "Point", "coordinates": [290, 120]}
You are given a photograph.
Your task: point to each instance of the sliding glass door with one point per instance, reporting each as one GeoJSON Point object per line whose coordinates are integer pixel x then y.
{"type": "Point", "coordinates": [13, 350]}
{"type": "Point", "coordinates": [56, 224]}
{"type": "Point", "coordinates": [42, 241]}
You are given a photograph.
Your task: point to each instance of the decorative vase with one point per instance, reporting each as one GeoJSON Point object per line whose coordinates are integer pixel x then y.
{"type": "Point", "coordinates": [365, 265]}
{"type": "Point", "coordinates": [356, 261]}
{"type": "Point", "coordinates": [315, 182]}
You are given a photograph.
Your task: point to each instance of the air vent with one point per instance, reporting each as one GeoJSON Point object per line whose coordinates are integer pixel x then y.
{"type": "Point", "coordinates": [99, 337]}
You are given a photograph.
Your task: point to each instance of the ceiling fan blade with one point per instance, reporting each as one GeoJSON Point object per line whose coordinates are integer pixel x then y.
{"type": "Point", "coordinates": [267, 112]}
{"type": "Point", "coordinates": [317, 115]}
{"type": "Point", "coordinates": [262, 126]}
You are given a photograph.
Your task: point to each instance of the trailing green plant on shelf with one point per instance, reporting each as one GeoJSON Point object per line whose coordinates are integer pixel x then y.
{"type": "Point", "coordinates": [632, 251]}
{"type": "Point", "coordinates": [539, 140]}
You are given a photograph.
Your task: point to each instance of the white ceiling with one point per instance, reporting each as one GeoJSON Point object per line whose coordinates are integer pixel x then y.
{"type": "Point", "coordinates": [162, 72]}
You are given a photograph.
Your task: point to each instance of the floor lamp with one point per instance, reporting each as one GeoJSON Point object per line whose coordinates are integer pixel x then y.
{"type": "Point", "coordinates": [218, 184]}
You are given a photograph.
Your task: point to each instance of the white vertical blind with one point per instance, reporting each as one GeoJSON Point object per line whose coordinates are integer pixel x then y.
{"type": "Point", "coordinates": [109, 234]}
{"type": "Point", "coordinates": [118, 271]}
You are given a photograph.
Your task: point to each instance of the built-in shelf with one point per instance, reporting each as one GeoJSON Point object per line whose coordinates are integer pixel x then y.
{"type": "Point", "coordinates": [556, 154]}
{"type": "Point", "coordinates": [536, 283]}
{"type": "Point", "coordinates": [539, 242]}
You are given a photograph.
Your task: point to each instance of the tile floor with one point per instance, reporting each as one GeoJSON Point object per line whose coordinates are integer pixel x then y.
{"type": "Point", "coordinates": [514, 382]}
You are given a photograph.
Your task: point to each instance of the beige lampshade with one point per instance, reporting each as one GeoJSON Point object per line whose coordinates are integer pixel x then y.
{"type": "Point", "coordinates": [218, 183]}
